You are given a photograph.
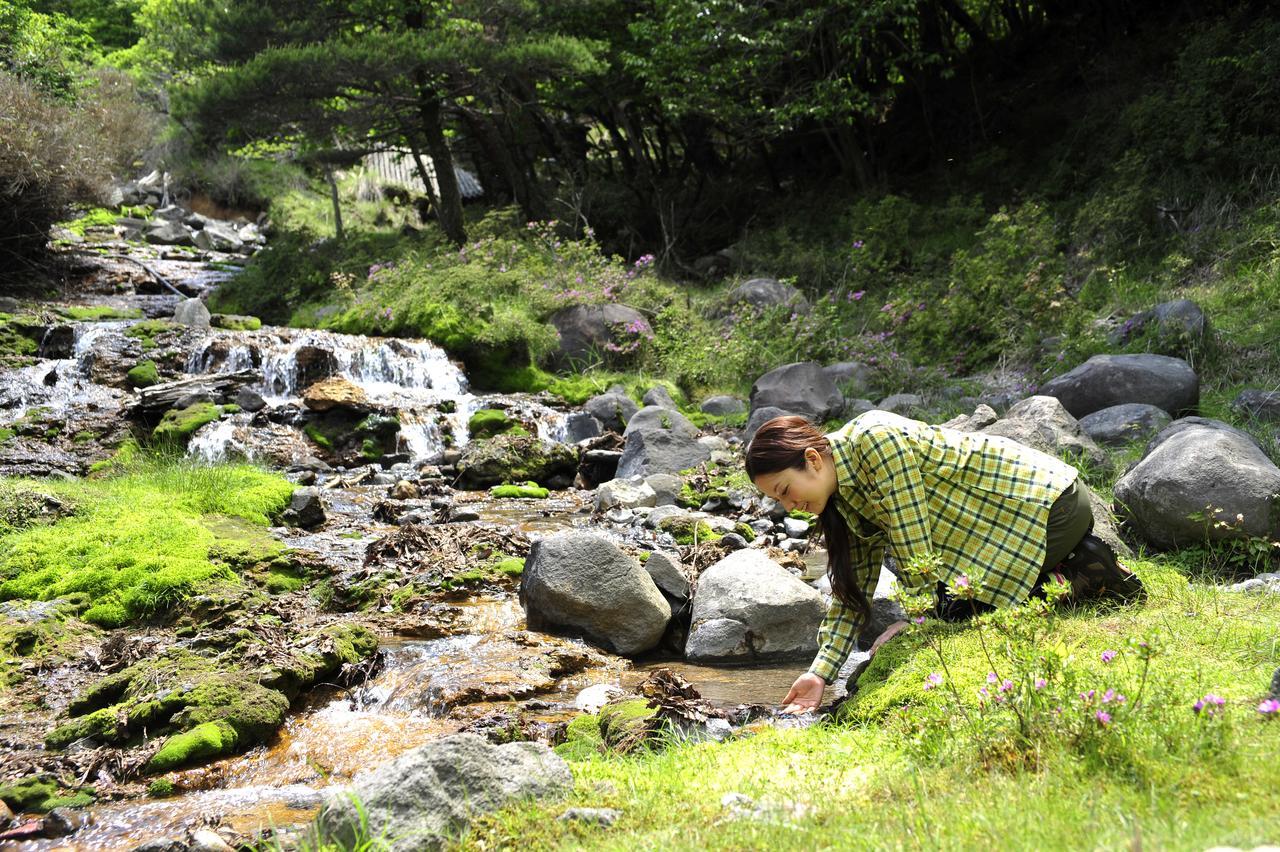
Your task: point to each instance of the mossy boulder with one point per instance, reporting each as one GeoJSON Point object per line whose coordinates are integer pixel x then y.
{"type": "Point", "coordinates": [29, 794]}
{"type": "Point", "coordinates": [151, 333]}
{"type": "Point", "coordinates": [211, 739]}
{"type": "Point", "coordinates": [516, 458]}
{"type": "Point", "coordinates": [177, 425]}
{"type": "Point", "coordinates": [144, 375]}
{"type": "Point", "coordinates": [235, 322]}
{"type": "Point", "coordinates": [488, 422]}
{"type": "Point", "coordinates": [624, 724]}
{"type": "Point", "coordinates": [685, 529]}
{"type": "Point", "coordinates": [527, 490]}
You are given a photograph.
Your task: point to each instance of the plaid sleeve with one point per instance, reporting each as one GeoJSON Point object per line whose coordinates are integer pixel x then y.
{"type": "Point", "coordinates": [890, 464]}
{"type": "Point", "coordinates": [841, 626]}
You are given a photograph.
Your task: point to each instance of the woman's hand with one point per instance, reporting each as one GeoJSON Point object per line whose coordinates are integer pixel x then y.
{"type": "Point", "coordinates": [805, 694]}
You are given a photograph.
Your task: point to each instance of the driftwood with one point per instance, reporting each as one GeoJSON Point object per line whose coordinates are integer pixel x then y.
{"type": "Point", "coordinates": [220, 387]}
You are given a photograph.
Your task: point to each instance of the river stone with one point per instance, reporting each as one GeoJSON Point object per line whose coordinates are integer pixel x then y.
{"type": "Point", "coordinates": [849, 377]}
{"type": "Point", "coordinates": [515, 458]}
{"type": "Point", "coordinates": [768, 293]}
{"type": "Point", "coordinates": [587, 331]}
{"type": "Point", "coordinates": [1042, 423]}
{"type": "Point", "coordinates": [1195, 466]}
{"type": "Point", "coordinates": [335, 392]}
{"type": "Point", "coordinates": [581, 426]}
{"type": "Point", "coordinates": [1256, 404]}
{"type": "Point", "coordinates": [217, 236]}
{"type": "Point", "coordinates": [613, 410]}
{"type": "Point", "coordinates": [666, 488]}
{"type": "Point", "coordinates": [168, 233]}
{"type": "Point", "coordinates": [658, 395]}
{"type": "Point", "coordinates": [722, 405]}
{"type": "Point", "coordinates": [249, 400]}
{"type": "Point", "coordinates": [902, 403]}
{"type": "Point", "coordinates": [1120, 424]}
{"type": "Point", "coordinates": [1107, 380]}
{"type": "Point", "coordinates": [664, 570]}
{"type": "Point", "coordinates": [1178, 327]}
{"type": "Point", "coordinates": [313, 363]}
{"type": "Point", "coordinates": [801, 388]}
{"type": "Point", "coordinates": [659, 440]}
{"type": "Point", "coordinates": [428, 795]}
{"type": "Point", "coordinates": [749, 608]}
{"type": "Point", "coordinates": [306, 508]}
{"type": "Point", "coordinates": [759, 417]}
{"type": "Point", "coordinates": [982, 417]}
{"type": "Point", "coordinates": [583, 582]}
{"type": "Point", "coordinates": [627, 493]}
{"type": "Point", "coordinates": [191, 313]}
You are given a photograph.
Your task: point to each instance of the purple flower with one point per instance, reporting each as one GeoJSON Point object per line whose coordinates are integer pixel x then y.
{"type": "Point", "coordinates": [932, 681]}
{"type": "Point", "coordinates": [857, 244]}
{"type": "Point", "coordinates": [1041, 683]}
{"type": "Point", "coordinates": [1103, 717]}
{"type": "Point", "coordinates": [991, 677]}
{"type": "Point", "coordinates": [1006, 685]}
{"type": "Point", "coordinates": [1087, 696]}
{"type": "Point", "coordinates": [983, 692]}
{"type": "Point", "coordinates": [1108, 655]}
{"type": "Point", "coordinates": [858, 295]}
{"type": "Point", "coordinates": [1269, 708]}
{"type": "Point", "coordinates": [962, 582]}
{"type": "Point", "coordinates": [919, 619]}
{"type": "Point", "coordinates": [1210, 704]}
{"type": "Point", "coordinates": [1108, 696]}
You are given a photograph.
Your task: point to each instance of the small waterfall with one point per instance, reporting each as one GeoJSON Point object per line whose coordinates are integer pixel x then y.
{"type": "Point", "coordinates": [218, 442]}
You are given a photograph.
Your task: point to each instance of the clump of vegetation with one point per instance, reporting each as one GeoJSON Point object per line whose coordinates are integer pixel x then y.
{"type": "Point", "coordinates": [143, 375]}
{"type": "Point", "coordinates": [525, 490]}
{"type": "Point", "coordinates": [95, 313]}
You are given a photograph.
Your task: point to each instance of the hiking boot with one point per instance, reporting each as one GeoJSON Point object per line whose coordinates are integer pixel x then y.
{"type": "Point", "coordinates": [1095, 572]}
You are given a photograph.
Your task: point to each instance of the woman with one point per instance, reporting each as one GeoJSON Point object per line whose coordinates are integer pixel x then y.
{"type": "Point", "coordinates": [967, 504]}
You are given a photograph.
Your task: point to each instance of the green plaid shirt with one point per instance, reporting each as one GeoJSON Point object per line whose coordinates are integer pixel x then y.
{"type": "Point", "coordinates": [980, 502]}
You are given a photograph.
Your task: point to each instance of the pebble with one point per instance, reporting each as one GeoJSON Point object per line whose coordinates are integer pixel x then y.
{"type": "Point", "coordinates": [795, 528]}
{"type": "Point", "coordinates": [603, 817]}
{"type": "Point", "coordinates": [591, 699]}
{"type": "Point", "coordinates": [208, 840]}
{"type": "Point", "coordinates": [733, 541]}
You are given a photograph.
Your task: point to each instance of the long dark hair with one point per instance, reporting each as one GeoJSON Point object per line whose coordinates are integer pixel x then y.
{"type": "Point", "coordinates": [780, 444]}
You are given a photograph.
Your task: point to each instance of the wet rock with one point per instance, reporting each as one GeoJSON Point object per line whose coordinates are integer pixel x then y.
{"type": "Point", "coordinates": [219, 388]}
{"type": "Point", "coordinates": [335, 392]}
{"type": "Point", "coordinates": [313, 363]}
{"type": "Point", "coordinates": [161, 844]}
{"type": "Point", "coordinates": [722, 406]}
{"type": "Point", "coordinates": [625, 493]}
{"type": "Point", "coordinates": [208, 840]}
{"type": "Point", "coordinates": [1189, 466]}
{"type": "Point", "coordinates": [748, 607]}
{"type": "Point", "coordinates": [759, 417]}
{"type": "Point", "coordinates": [249, 400]}
{"type": "Point", "coordinates": [404, 490]}
{"type": "Point", "coordinates": [191, 313]}
{"type": "Point", "coordinates": [583, 582]}
{"type": "Point", "coordinates": [733, 541]}
{"type": "Point", "coordinates": [1257, 404]}
{"type": "Point", "coordinates": [603, 817]}
{"type": "Point", "coordinates": [613, 410]}
{"type": "Point", "coordinates": [168, 233]}
{"type": "Point", "coordinates": [6, 815]}
{"type": "Point", "coordinates": [800, 388]}
{"type": "Point", "coordinates": [27, 831]}
{"type": "Point", "coordinates": [1043, 423]}
{"type": "Point", "coordinates": [58, 341]}
{"type": "Point", "coordinates": [431, 793]}
{"type": "Point", "coordinates": [589, 331]}
{"type": "Point", "coordinates": [1107, 380]}
{"type": "Point", "coordinates": [666, 488]}
{"type": "Point", "coordinates": [659, 395]}
{"type": "Point", "coordinates": [515, 458]}
{"type": "Point", "coordinates": [217, 236]}
{"type": "Point", "coordinates": [582, 426]}
{"type": "Point", "coordinates": [1120, 424]}
{"type": "Point", "coordinates": [61, 822]}
{"type": "Point", "coordinates": [664, 569]}
{"type": "Point", "coordinates": [659, 440]}
{"type": "Point", "coordinates": [306, 509]}
{"type": "Point", "coordinates": [591, 699]}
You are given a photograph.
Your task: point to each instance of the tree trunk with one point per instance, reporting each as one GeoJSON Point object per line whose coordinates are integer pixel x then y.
{"type": "Point", "coordinates": [449, 211]}
{"type": "Point", "coordinates": [337, 208]}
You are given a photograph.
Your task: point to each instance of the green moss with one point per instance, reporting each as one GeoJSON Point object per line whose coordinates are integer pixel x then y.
{"type": "Point", "coordinates": [161, 788]}
{"type": "Point", "coordinates": [318, 437]}
{"type": "Point", "coordinates": [97, 217]}
{"type": "Point", "coordinates": [146, 331]}
{"type": "Point", "coordinates": [685, 529]}
{"type": "Point", "coordinates": [177, 426]}
{"type": "Point", "coordinates": [582, 738]}
{"type": "Point", "coordinates": [19, 339]}
{"type": "Point", "coordinates": [144, 375]}
{"type": "Point", "coordinates": [530, 490]}
{"type": "Point", "coordinates": [211, 739]}
{"type": "Point", "coordinates": [235, 322]}
{"type": "Point", "coordinates": [488, 422]}
{"type": "Point", "coordinates": [92, 313]}
{"type": "Point", "coordinates": [512, 566]}
{"type": "Point", "coordinates": [6, 434]}
{"type": "Point", "coordinates": [623, 723]}
{"type": "Point", "coordinates": [745, 531]}
{"type": "Point", "coordinates": [281, 582]}
{"type": "Point", "coordinates": [29, 794]}
{"type": "Point", "coordinates": [82, 799]}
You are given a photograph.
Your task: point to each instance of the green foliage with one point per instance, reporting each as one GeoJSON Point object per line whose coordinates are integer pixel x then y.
{"type": "Point", "coordinates": [161, 788]}
{"type": "Point", "coordinates": [141, 541]}
{"type": "Point", "coordinates": [488, 422]}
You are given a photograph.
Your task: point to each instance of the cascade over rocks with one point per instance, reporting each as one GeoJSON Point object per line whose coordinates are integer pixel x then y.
{"type": "Point", "coordinates": [431, 793]}
{"type": "Point", "coordinates": [1120, 424]}
{"type": "Point", "coordinates": [802, 388]}
{"type": "Point", "coordinates": [1107, 380]}
{"type": "Point", "coordinates": [1041, 422]}
{"type": "Point", "coordinates": [516, 458]}
{"type": "Point", "coordinates": [587, 331]}
{"type": "Point", "coordinates": [335, 392]}
{"type": "Point", "coordinates": [1189, 466]}
{"type": "Point", "coordinates": [660, 440]}
{"type": "Point", "coordinates": [582, 582]}
{"type": "Point", "coordinates": [748, 608]}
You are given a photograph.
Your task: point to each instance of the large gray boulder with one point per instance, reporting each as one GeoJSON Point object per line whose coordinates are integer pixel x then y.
{"type": "Point", "coordinates": [192, 313]}
{"type": "Point", "coordinates": [1120, 424]}
{"type": "Point", "coordinates": [589, 331]}
{"type": "Point", "coordinates": [613, 410]}
{"type": "Point", "coordinates": [850, 377]}
{"type": "Point", "coordinates": [583, 583]}
{"type": "Point", "coordinates": [1042, 423]}
{"type": "Point", "coordinates": [659, 440]}
{"type": "Point", "coordinates": [516, 458]}
{"type": "Point", "coordinates": [168, 233]}
{"type": "Point", "coordinates": [658, 395]}
{"type": "Point", "coordinates": [1258, 404]}
{"type": "Point", "coordinates": [748, 608]}
{"type": "Point", "coordinates": [767, 293]}
{"type": "Point", "coordinates": [758, 418]}
{"type": "Point", "coordinates": [429, 795]}
{"type": "Point", "coordinates": [801, 388]}
{"type": "Point", "coordinates": [722, 405]}
{"type": "Point", "coordinates": [218, 236]}
{"type": "Point", "coordinates": [1190, 467]}
{"type": "Point", "coordinates": [1178, 327]}
{"type": "Point", "coordinates": [1107, 380]}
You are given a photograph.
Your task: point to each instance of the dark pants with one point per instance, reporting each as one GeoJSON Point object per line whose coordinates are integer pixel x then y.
{"type": "Point", "coordinates": [1070, 519]}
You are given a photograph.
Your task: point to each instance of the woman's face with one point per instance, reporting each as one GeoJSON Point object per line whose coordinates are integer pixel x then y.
{"type": "Point", "coordinates": [805, 488]}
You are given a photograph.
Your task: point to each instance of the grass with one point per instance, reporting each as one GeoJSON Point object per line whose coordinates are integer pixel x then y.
{"type": "Point", "coordinates": [142, 540]}
{"type": "Point", "coordinates": [1164, 777]}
